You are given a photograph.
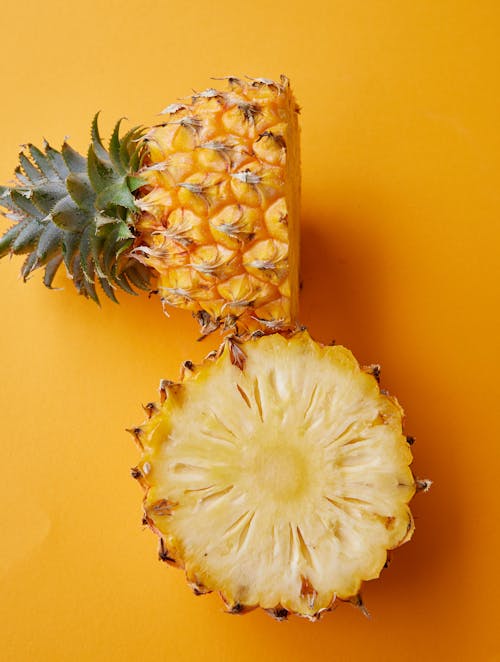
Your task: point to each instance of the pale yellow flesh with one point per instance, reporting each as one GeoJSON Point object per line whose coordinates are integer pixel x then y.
{"type": "Point", "coordinates": [283, 484]}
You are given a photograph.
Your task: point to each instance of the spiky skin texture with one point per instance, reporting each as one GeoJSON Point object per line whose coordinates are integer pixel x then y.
{"type": "Point", "coordinates": [220, 211]}
{"type": "Point", "coordinates": [206, 204]}
{"type": "Point", "coordinates": [277, 474]}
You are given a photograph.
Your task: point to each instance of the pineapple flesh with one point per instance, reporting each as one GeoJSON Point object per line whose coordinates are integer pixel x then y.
{"type": "Point", "coordinates": [277, 474]}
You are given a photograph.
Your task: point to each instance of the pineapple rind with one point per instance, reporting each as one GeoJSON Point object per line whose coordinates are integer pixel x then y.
{"type": "Point", "coordinates": [281, 484]}
{"type": "Point", "coordinates": [230, 160]}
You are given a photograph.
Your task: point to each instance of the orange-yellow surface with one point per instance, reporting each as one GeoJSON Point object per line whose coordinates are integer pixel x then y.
{"type": "Point", "coordinates": [401, 216]}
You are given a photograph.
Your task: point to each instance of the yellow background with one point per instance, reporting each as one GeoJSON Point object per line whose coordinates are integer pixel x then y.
{"type": "Point", "coordinates": [401, 210]}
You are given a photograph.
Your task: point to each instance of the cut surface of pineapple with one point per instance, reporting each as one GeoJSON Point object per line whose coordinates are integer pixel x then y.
{"type": "Point", "coordinates": [278, 474]}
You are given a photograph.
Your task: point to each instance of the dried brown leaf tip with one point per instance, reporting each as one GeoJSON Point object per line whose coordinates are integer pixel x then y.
{"type": "Point", "coordinates": [357, 601]}
{"type": "Point", "coordinates": [188, 367]}
{"type": "Point", "coordinates": [150, 408]}
{"type": "Point", "coordinates": [236, 608]}
{"type": "Point", "coordinates": [197, 587]}
{"type": "Point", "coordinates": [278, 613]}
{"type": "Point", "coordinates": [423, 484]}
{"type": "Point", "coordinates": [374, 369]}
{"type": "Point", "coordinates": [136, 434]}
{"type": "Point", "coordinates": [207, 323]}
{"type": "Point", "coordinates": [168, 387]}
{"type": "Point", "coordinates": [236, 354]}
{"type": "Point", "coordinates": [163, 554]}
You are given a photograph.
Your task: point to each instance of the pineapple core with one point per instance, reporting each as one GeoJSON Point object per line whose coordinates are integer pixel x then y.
{"type": "Point", "coordinates": [279, 479]}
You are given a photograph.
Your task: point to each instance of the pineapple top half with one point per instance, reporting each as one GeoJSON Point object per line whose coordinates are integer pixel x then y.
{"type": "Point", "coordinates": [201, 208]}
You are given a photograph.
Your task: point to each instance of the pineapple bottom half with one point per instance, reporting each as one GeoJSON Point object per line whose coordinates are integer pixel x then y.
{"type": "Point", "coordinates": [277, 474]}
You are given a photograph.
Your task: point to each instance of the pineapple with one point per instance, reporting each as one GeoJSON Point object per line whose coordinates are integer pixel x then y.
{"type": "Point", "coordinates": [277, 474]}
{"type": "Point", "coordinates": [203, 207]}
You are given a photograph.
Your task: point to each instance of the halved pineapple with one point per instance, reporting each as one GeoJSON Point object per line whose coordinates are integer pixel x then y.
{"type": "Point", "coordinates": [277, 473]}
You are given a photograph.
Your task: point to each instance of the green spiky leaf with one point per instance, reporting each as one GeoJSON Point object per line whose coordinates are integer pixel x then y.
{"type": "Point", "coordinates": [135, 183]}
{"type": "Point", "coordinates": [51, 270]}
{"type": "Point", "coordinates": [138, 275]}
{"type": "Point", "coordinates": [41, 161]}
{"type": "Point", "coordinates": [9, 237]}
{"type": "Point", "coordinates": [46, 195]}
{"type": "Point", "coordinates": [122, 281]}
{"type": "Point", "coordinates": [29, 265]}
{"type": "Point", "coordinates": [81, 191]}
{"type": "Point", "coordinates": [56, 161]}
{"type": "Point", "coordinates": [49, 243]}
{"type": "Point", "coordinates": [78, 211]}
{"type": "Point", "coordinates": [67, 216]}
{"type": "Point", "coordinates": [70, 246]}
{"type": "Point", "coordinates": [27, 239]}
{"type": "Point", "coordinates": [114, 150]}
{"type": "Point", "coordinates": [96, 144]}
{"type": "Point", "coordinates": [101, 174]}
{"type": "Point", "coordinates": [21, 200]}
{"type": "Point", "coordinates": [117, 193]}
{"type": "Point", "coordinates": [21, 178]}
{"type": "Point", "coordinates": [108, 289]}
{"type": "Point", "coordinates": [75, 162]}
{"type": "Point", "coordinates": [31, 172]}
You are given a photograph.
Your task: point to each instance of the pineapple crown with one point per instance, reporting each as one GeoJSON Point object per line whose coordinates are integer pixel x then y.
{"type": "Point", "coordinates": [80, 211]}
